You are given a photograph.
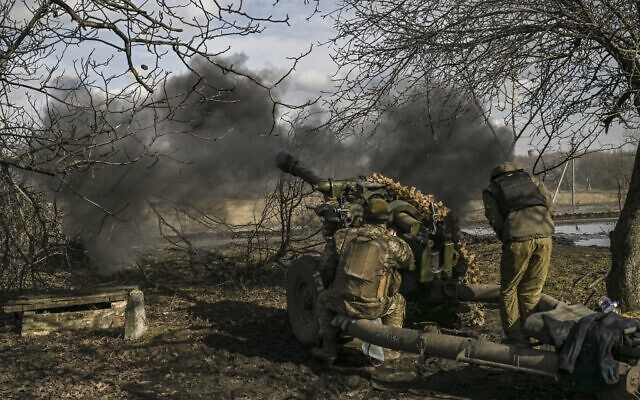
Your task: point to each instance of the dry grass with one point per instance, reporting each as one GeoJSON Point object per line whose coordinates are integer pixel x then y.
{"type": "Point", "coordinates": [590, 197]}
{"type": "Point", "coordinates": [241, 211]}
{"type": "Point", "coordinates": [593, 201]}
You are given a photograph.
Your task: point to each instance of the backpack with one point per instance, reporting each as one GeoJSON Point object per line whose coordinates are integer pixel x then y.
{"type": "Point", "coordinates": [361, 274]}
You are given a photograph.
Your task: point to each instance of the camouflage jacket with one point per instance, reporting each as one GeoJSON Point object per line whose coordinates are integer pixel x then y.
{"type": "Point", "coordinates": [398, 256]}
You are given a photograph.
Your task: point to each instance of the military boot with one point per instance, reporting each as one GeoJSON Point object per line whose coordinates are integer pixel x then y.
{"type": "Point", "coordinates": [328, 352]}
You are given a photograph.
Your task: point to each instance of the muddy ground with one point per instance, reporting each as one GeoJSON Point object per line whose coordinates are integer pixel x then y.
{"type": "Point", "coordinates": [220, 333]}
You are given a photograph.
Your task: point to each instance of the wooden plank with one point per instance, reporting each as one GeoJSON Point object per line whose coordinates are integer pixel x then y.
{"type": "Point", "coordinates": [44, 301]}
{"type": "Point", "coordinates": [75, 292]}
{"type": "Point", "coordinates": [45, 323]}
{"type": "Point", "coordinates": [68, 297]}
{"type": "Point", "coordinates": [62, 303]}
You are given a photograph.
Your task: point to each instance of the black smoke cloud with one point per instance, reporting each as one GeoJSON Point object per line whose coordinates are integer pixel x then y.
{"type": "Point", "coordinates": [214, 145]}
{"type": "Point", "coordinates": [442, 144]}
{"type": "Point", "coordinates": [321, 150]}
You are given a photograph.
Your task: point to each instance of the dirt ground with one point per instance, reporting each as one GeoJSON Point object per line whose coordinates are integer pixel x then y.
{"type": "Point", "coordinates": [224, 334]}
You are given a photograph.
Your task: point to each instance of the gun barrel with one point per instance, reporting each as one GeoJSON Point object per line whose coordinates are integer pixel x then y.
{"type": "Point", "coordinates": [288, 163]}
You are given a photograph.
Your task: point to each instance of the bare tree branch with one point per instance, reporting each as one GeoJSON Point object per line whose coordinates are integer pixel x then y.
{"type": "Point", "coordinates": [562, 72]}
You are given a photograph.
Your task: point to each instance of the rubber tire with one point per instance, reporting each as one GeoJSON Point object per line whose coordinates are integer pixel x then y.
{"type": "Point", "coordinates": [302, 295]}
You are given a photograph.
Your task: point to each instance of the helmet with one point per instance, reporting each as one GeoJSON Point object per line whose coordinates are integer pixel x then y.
{"type": "Point", "coordinates": [377, 210]}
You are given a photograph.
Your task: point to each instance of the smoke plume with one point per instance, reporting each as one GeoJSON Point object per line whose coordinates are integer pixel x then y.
{"type": "Point", "coordinates": [441, 144]}
{"type": "Point", "coordinates": [210, 144]}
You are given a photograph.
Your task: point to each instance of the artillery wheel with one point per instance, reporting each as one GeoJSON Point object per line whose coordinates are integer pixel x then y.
{"type": "Point", "coordinates": [302, 295]}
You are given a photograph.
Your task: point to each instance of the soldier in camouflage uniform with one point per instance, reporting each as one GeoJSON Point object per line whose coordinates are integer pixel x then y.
{"type": "Point", "coordinates": [367, 280]}
{"type": "Point", "coordinates": [330, 257]}
{"type": "Point", "coordinates": [518, 207]}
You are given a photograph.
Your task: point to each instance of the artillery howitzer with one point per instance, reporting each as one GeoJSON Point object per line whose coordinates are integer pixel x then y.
{"type": "Point", "coordinates": [430, 234]}
{"type": "Point", "coordinates": [436, 280]}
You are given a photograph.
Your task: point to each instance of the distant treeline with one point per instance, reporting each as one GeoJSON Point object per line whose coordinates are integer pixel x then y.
{"type": "Point", "coordinates": [604, 170]}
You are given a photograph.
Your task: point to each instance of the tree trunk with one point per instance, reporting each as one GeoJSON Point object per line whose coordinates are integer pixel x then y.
{"type": "Point", "coordinates": [623, 280]}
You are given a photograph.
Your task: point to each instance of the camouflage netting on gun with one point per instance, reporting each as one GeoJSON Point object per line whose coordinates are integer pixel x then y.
{"type": "Point", "coordinates": [423, 202]}
{"type": "Point", "coordinates": [428, 206]}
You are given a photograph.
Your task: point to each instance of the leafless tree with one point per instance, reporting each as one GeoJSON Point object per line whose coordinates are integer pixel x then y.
{"type": "Point", "coordinates": [558, 71]}
{"type": "Point", "coordinates": [33, 247]}
{"type": "Point", "coordinates": [102, 58]}
{"type": "Point", "coordinates": [288, 212]}
{"type": "Point", "coordinates": [76, 76]}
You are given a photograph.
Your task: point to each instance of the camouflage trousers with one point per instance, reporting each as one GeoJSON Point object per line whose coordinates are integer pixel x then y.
{"type": "Point", "coordinates": [524, 267]}
{"type": "Point", "coordinates": [391, 311]}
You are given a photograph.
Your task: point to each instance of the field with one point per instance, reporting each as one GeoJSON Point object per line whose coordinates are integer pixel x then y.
{"type": "Point", "coordinates": [225, 335]}
{"type": "Point", "coordinates": [584, 204]}
{"type": "Point", "coordinates": [222, 332]}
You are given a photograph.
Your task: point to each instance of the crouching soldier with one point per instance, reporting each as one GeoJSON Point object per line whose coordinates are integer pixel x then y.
{"type": "Point", "coordinates": [367, 282]}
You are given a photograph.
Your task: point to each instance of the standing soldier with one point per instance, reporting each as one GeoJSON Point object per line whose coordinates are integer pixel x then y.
{"type": "Point", "coordinates": [366, 283]}
{"type": "Point", "coordinates": [518, 207]}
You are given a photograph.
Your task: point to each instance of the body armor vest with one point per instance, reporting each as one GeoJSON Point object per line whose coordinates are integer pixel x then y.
{"type": "Point", "coordinates": [517, 190]}
{"type": "Point", "coordinates": [362, 275]}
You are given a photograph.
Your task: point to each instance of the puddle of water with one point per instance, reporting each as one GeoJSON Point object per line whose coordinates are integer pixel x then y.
{"type": "Point", "coordinates": [586, 228]}
{"type": "Point", "coordinates": [581, 233]}
{"type": "Point", "coordinates": [478, 231]}
{"type": "Point", "coordinates": [587, 233]}
{"type": "Point", "coordinates": [599, 242]}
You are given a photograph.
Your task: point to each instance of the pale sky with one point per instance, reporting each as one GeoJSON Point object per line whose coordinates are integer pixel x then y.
{"type": "Point", "coordinates": [313, 74]}
{"type": "Point", "coordinates": [279, 42]}
{"type": "Point", "coordinates": [271, 50]}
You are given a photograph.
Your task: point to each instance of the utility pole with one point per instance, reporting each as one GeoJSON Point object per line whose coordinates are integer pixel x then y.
{"type": "Point", "coordinates": [555, 194]}
{"type": "Point", "coordinates": [573, 184]}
